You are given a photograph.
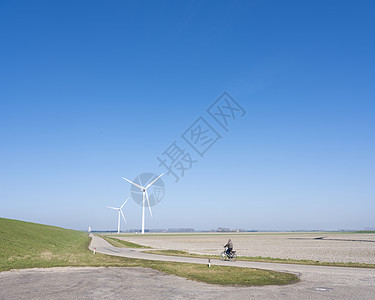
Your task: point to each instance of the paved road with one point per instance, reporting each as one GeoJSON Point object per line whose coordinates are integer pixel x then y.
{"type": "Point", "coordinates": [139, 283]}
{"type": "Point", "coordinates": [316, 281]}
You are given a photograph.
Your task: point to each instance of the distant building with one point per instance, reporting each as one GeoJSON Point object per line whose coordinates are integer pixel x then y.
{"type": "Point", "coordinates": [181, 230]}
{"type": "Point", "coordinates": [222, 229]}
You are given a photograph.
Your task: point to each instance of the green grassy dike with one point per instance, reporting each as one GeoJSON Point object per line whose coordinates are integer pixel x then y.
{"type": "Point", "coordinates": [30, 245]}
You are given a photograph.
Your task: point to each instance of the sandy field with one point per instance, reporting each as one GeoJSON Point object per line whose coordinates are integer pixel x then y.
{"type": "Point", "coordinates": [319, 246]}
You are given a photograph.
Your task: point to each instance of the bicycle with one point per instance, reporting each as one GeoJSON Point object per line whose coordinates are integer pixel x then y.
{"type": "Point", "coordinates": [231, 256]}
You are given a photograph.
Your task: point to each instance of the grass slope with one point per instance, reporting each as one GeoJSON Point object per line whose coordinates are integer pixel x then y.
{"type": "Point", "coordinates": [30, 245]}
{"type": "Point", "coordinates": [122, 244]}
{"type": "Point", "coordinates": [26, 244]}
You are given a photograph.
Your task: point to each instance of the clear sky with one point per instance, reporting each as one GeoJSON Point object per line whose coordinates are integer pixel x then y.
{"type": "Point", "coordinates": [92, 91]}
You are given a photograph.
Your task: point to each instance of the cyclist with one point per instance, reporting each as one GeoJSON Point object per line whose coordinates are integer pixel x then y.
{"type": "Point", "coordinates": [229, 246]}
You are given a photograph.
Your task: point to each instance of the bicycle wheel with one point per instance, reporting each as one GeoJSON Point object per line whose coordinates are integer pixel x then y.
{"type": "Point", "coordinates": [223, 256]}
{"type": "Point", "coordinates": [234, 258]}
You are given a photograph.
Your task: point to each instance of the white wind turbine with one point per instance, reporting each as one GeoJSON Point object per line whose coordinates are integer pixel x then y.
{"type": "Point", "coordinates": [119, 212]}
{"type": "Point", "coordinates": [144, 192]}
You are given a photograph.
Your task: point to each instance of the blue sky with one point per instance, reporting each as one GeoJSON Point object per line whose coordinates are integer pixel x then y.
{"type": "Point", "coordinates": [93, 91]}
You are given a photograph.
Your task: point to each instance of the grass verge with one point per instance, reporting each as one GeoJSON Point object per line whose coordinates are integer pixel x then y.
{"type": "Point", "coordinates": [264, 259]}
{"type": "Point", "coordinates": [30, 245]}
{"type": "Point", "coordinates": [120, 243]}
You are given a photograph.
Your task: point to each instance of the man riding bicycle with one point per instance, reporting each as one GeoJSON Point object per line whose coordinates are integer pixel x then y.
{"type": "Point", "coordinates": [229, 246]}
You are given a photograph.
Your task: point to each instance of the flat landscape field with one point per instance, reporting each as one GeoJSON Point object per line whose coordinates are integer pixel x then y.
{"type": "Point", "coordinates": [317, 246]}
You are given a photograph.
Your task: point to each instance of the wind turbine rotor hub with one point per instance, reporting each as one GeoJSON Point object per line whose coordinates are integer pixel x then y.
{"type": "Point", "coordinates": [147, 185]}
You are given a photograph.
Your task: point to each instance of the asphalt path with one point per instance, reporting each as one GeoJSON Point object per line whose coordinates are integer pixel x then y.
{"type": "Point", "coordinates": [316, 281]}
{"type": "Point", "coordinates": [143, 283]}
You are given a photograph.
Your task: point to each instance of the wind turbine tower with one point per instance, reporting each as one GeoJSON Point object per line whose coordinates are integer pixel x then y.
{"type": "Point", "coordinates": [145, 195]}
{"type": "Point", "coordinates": [119, 212]}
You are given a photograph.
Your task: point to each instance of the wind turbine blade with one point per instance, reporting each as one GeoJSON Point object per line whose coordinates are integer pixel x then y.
{"type": "Point", "coordinates": [116, 208]}
{"type": "Point", "coordinates": [123, 215]}
{"type": "Point", "coordinates": [124, 203]}
{"type": "Point", "coordinates": [148, 201]}
{"type": "Point", "coordinates": [152, 182]}
{"type": "Point", "coordinates": [137, 185]}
